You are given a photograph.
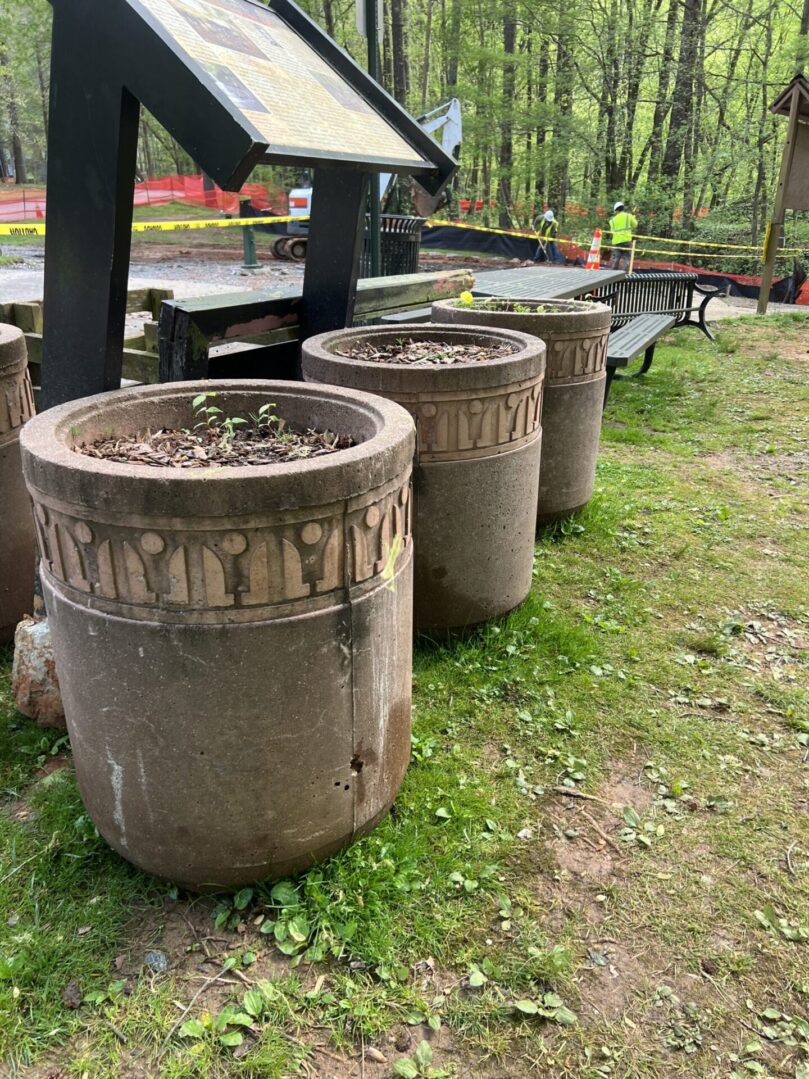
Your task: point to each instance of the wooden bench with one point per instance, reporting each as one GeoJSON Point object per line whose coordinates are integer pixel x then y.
{"type": "Point", "coordinates": [639, 334]}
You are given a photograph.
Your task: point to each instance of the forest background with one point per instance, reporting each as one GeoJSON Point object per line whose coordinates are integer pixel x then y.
{"type": "Point", "coordinates": [664, 103]}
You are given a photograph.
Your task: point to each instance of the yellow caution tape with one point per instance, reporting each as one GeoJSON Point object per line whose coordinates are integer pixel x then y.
{"type": "Point", "coordinates": [605, 233]}
{"type": "Point", "coordinates": [699, 243]}
{"type": "Point", "coordinates": [215, 223]}
{"type": "Point", "coordinates": [165, 226]}
{"type": "Point", "coordinates": [247, 222]}
{"type": "Point", "coordinates": [435, 223]}
{"type": "Point", "coordinates": [22, 230]}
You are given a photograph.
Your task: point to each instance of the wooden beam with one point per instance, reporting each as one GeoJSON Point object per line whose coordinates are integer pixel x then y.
{"type": "Point", "coordinates": [187, 328]}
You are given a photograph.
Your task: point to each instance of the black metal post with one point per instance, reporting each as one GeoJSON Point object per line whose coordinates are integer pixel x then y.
{"type": "Point", "coordinates": [250, 260]}
{"type": "Point", "coordinates": [91, 180]}
{"type": "Point", "coordinates": [336, 229]}
{"type": "Point", "coordinates": [371, 29]}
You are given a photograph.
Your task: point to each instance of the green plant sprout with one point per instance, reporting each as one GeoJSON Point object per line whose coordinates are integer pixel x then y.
{"type": "Point", "coordinates": [212, 418]}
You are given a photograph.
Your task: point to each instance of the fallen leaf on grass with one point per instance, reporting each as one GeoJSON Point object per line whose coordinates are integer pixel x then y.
{"type": "Point", "coordinates": [72, 995]}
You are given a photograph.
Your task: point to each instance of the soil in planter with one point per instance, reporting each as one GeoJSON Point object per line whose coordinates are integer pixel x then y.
{"type": "Point", "coordinates": [230, 443]}
{"type": "Point", "coordinates": [516, 307]}
{"type": "Point", "coordinates": [425, 353]}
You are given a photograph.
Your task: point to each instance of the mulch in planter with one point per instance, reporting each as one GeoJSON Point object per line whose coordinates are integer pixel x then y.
{"type": "Point", "coordinates": [424, 353]}
{"type": "Point", "coordinates": [519, 307]}
{"type": "Point", "coordinates": [221, 445]}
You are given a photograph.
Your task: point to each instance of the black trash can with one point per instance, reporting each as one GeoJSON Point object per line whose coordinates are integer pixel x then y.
{"type": "Point", "coordinates": [400, 244]}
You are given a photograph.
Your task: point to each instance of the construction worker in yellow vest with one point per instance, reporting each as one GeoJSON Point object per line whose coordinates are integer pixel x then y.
{"type": "Point", "coordinates": [622, 227]}
{"type": "Point", "coordinates": [547, 229]}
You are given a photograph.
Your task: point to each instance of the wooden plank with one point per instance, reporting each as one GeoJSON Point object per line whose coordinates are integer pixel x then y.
{"type": "Point", "coordinates": [28, 316]}
{"type": "Point", "coordinates": [150, 336]}
{"type": "Point", "coordinates": [138, 365]}
{"type": "Point", "coordinates": [187, 328]}
{"type": "Point", "coordinates": [155, 298]}
{"type": "Point", "coordinates": [137, 299]}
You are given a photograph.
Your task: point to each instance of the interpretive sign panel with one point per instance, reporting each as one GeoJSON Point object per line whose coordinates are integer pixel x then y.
{"type": "Point", "coordinates": [236, 84]}
{"type": "Point", "coordinates": [295, 101]}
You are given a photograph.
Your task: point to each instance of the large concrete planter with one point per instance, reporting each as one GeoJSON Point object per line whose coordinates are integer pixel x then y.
{"type": "Point", "coordinates": [234, 644]}
{"type": "Point", "coordinates": [477, 463]}
{"type": "Point", "coordinates": [575, 333]}
{"type": "Point", "coordinates": [17, 538]}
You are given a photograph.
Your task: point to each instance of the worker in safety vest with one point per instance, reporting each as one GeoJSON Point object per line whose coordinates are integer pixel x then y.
{"type": "Point", "coordinates": [547, 229]}
{"type": "Point", "coordinates": [622, 227]}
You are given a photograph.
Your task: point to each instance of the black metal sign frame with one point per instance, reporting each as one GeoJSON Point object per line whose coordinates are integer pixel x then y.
{"type": "Point", "coordinates": [108, 59]}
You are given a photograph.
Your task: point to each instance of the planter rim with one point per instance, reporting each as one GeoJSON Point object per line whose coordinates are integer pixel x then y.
{"type": "Point", "coordinates": [526, 362]}
{"type": "Point", "coordinates": [13, 351]}
{"type": "Point", "coordinates": [52, 467]}
{"type": "Point", "coordinates": [579, 309]}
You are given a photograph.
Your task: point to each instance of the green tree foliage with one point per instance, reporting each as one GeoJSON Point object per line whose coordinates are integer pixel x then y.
{"type": "Point", "coordinates": [662, 102]}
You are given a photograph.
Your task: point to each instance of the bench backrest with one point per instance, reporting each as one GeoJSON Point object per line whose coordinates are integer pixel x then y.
{"type": "Point", "coordinates": [645, 294]}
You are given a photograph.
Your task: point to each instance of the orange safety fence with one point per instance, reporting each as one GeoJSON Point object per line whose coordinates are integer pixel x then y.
{"type": "Point", "coordinates": [26, 203]}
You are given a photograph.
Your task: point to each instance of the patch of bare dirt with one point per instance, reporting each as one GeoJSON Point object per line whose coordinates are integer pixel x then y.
{"type": "Point", "coordinates": [610, 980]}
{"type": "Point", "coordinates": [770, 641]}
{"type": "Point", "coordinates": [762, 341]}
{"type": "Point", "coordinates": [400, 1043]}
{"type": "Point", "coordinates": [790, 466]}
{"type": "Point", "coordinates": [587, 850]}
{"type": "Point", "coordinates": [54, 764]}
{"type": "Point", "coordinates": [581, 860]}
{"type": "Point", "coordinates": [624, 790]}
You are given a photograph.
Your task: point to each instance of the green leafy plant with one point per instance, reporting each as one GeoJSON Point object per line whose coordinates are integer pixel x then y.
{"type": "Point", "coordinates": [419, 1065]}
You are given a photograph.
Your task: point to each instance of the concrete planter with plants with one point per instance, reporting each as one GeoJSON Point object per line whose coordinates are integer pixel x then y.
{"type": "Point", "coordinates": [233, 642]}
{"type": "Point", "coordinates": [476, 397]}
{"type": "Point", "coordinates": [575, 333]}
{"type": "Point", "coordinates": [17, 538]}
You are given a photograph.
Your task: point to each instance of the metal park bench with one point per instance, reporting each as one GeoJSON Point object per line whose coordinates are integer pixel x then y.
{"type": "Point", "coordinates": [646, 305]}
{"type": "Point", "coordinates": [659, 294]}
{"type": "Point", "coordinates": [639, 334]}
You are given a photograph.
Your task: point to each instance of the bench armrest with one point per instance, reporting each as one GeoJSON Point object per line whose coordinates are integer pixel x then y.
{"type": "Point", "coordinates": [707, 290]}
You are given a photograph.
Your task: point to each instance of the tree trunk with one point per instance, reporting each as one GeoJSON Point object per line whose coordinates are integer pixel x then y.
{"type": "Point", "coordinates": [328, 16]}
{"type": "Point", "coordinates": [662, 102]}
{"type": "Point", "coordinates": [454, 44]}
{"type": "Point", "coordinates": [505, 195]}
{"type": "Point", "coordinates": [42, 67]}
{"type": "Point", "coordinates": [683, 99]}
{"type": "Point", "coordinates": [18, 154]}
{"type": "Point", "coordinates": [398, 11]}
{"type": "Point", "coordinates": [425, 67]}
{"type": "Point", "coordinates": [542, 128]}
{"type": "Point", "coordinates": [563, 108]}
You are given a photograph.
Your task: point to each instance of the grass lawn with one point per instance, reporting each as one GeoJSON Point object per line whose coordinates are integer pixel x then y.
{"type": "Point", "coordinates": [598, 865]}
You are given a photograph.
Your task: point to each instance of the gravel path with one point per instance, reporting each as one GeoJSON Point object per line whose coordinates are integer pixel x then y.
{"type": "Point", "coordinates": [218, 273]}
{"type": "Point", "coordinates": [186, 276]}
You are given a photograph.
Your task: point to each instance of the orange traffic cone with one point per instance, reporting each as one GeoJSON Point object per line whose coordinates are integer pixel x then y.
{"type": "Point", "coordinates": [594, 258]}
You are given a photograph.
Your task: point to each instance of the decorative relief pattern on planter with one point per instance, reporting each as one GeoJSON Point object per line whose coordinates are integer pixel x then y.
{"type": "Point", "coordinates": [16, 402]}
{"type": "Point", "coordinates": [232, 573]}
{"type": "Point", "coordinates": [478, 424]}
{"type": "Point", "coordinates": [573, 357]}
